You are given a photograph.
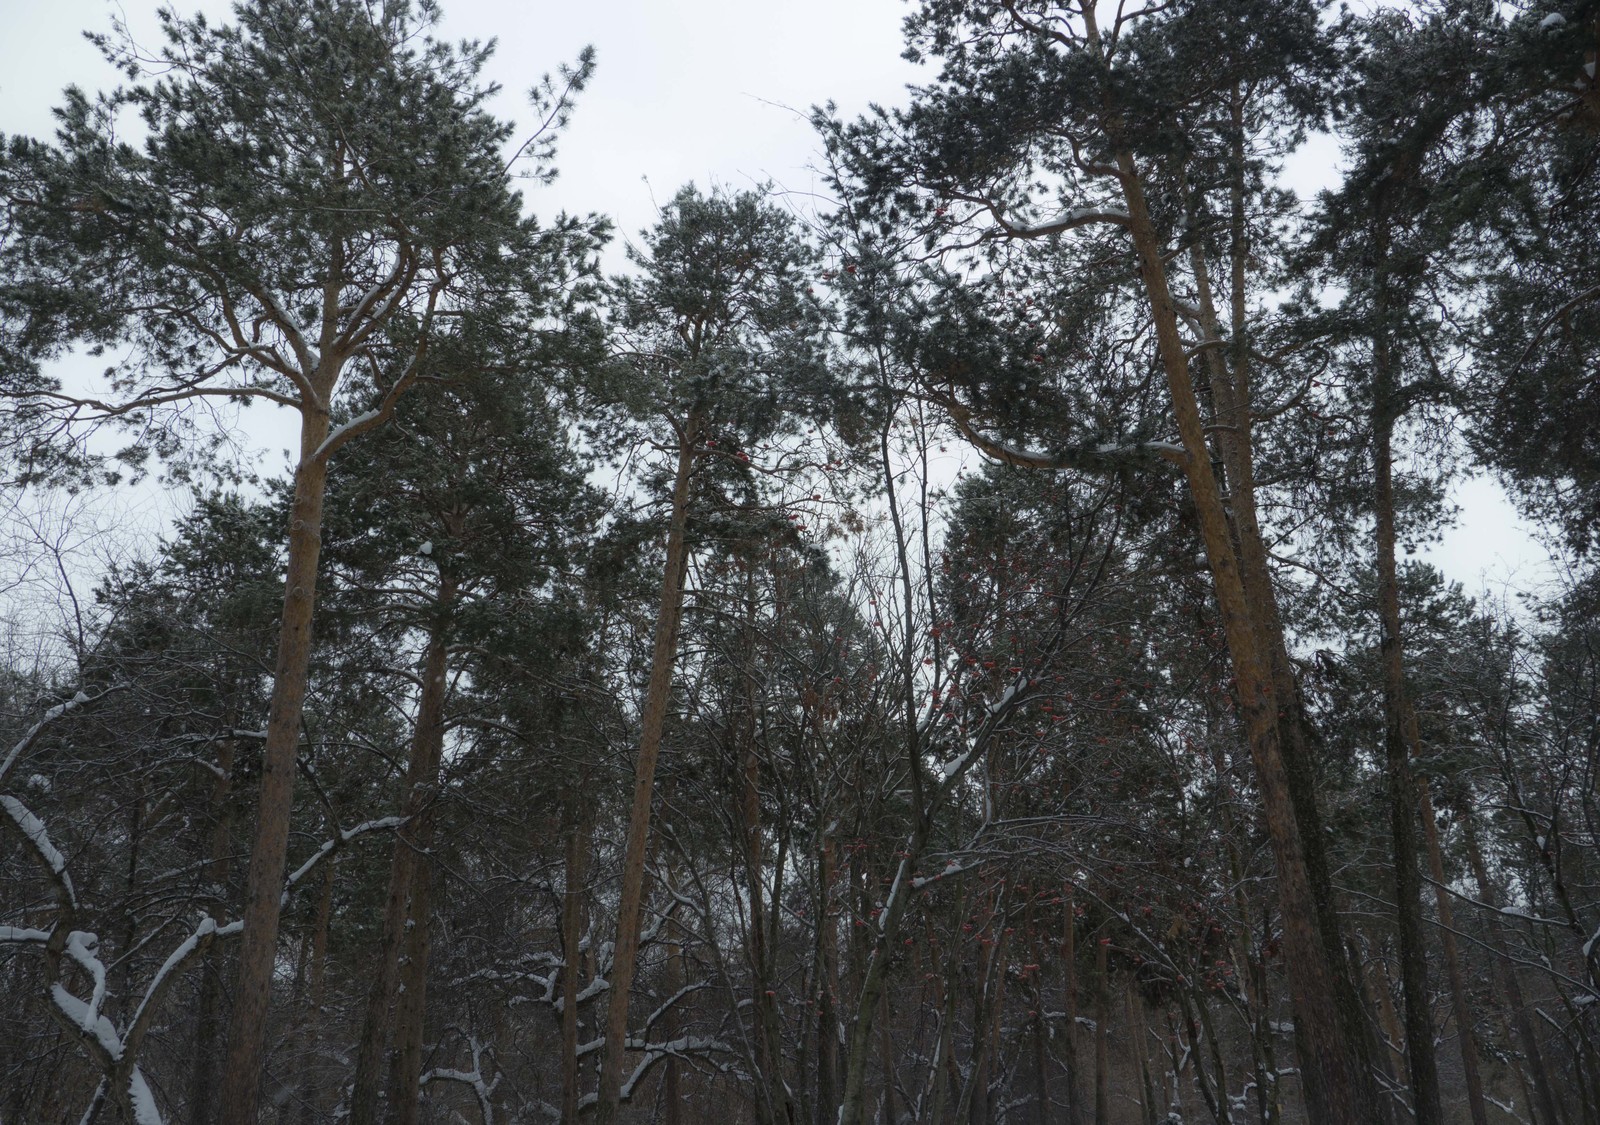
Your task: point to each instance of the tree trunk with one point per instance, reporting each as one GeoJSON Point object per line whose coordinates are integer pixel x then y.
{"type": "Point", "coordinates": [1399, 740]}
{"type": "Point", "coordinates": [676, 976]}
{"type": "Point", "coordinates": [1393, 1059]}
{"type": "Point", "coordinates": [1138, 1047]}
{"type": "Point", "coordinates": [1506, 973]}
{"type": "Point", "coordinates": [1231, 389]}
{"type": "Point", "coordinates": [577, 861]}
{"type": "Point", "coordinates": [1459, 1004]}
{"type": "Point", "coordinates": [1330, 1079]}
{"type": "Point", "coordinates": [208, 1017]}
{"type": "Point", "coordinates": [316, 999]}
{"type": "Point", "coordinates": [1069, 997]}
{"type": "Point", "coordinates": [886, 1059]}
{"type": "Point", "coordinates": [258, 945]}
{"type": "Point", "coordinates": [1102, 1031]}
{"type": "Point", "coordinates": [827, 958]}
{"type": "Point", "coordinates": [422, 775]}
{"type": "Point", "coordinates": [658, 695]}
{"type": "Point", "coordinates": [405, 1073]}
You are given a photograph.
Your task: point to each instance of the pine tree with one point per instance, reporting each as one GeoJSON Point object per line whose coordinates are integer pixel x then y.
{"type": "Point", "coordinates": [319, 201]}
{"type": "Point", "coordinates": [722, 351]}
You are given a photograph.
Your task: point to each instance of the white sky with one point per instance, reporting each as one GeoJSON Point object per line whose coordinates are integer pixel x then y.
{"type": "Point", "coordinates": [713, 91]}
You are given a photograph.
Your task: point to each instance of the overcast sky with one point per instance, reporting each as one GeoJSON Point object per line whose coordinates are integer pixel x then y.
{"type": "Point", "coordinates": [710, 91]}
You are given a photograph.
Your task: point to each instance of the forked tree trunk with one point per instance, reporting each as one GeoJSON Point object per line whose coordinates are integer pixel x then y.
{"type": "Point", "coordinates": [258, 945]}
{"type": "Point", "coordinates": [658, 693]}
{"type": "Point", "coordinates": [1330, 1079]}
{"type": "Point", "coordinates": [1232, 376]}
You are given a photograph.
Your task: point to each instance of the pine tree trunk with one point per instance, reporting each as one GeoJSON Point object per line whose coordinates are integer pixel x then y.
{"type": "Point", "coordinates": [1459, 1004]}
{"type": "Point", "coordinates": [405, 1072]}
{"type": "Point", "coordinates": [676, 976]}
{"type": "Point", "coordinates": [1330, 1079]}
{"type": "Point", "coordinates": [1399, 740]}
{"type": "Point", "coordinates": [1392, 1060]}
{"type": "Point", "coordinates": [316, 1000]}
{"type": "Point", "coordinates": [1391, 1018]}
{"type": "Point", "coordinates": [258, 947]}
{"type": "Point", "coordinates": [422, 775]}
{"type": "Point", "coordinates": [1231, 389]}
{"type": "Point", "coordinates": [658, 695]}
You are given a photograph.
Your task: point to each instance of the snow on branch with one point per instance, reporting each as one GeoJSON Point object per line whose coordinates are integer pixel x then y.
{"type": "Point", "coordinates": [333, 845]}
{"type": "Point", "coordinates": [187, 950]}
{"type": "Point", "coordinates": [483, 1091]}
{"type": "Point", "coordinates": [20, 936]}
{"type": "Point", "coordinates": [1063, 221]}
{"type": "Point", "coordinates": [1082, 458]}
{"type": "Point", "coordinates": [33, 830]}
{"type": "Point", "coordinates": [49, 717]}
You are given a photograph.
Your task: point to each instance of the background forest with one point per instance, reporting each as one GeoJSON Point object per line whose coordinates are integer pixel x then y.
{"type": "Point", "coordinates": [622, 709]}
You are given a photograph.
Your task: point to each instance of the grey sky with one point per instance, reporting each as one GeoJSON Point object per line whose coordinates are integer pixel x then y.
{"type": "Point", "coordinates": [702, 90]}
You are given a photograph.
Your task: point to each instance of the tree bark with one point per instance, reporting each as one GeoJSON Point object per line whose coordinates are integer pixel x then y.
{"type": "Point", "coordinates": [827, 959]}
{"type": "Point", "coordinates": [258, 948]}
{"type": "Point", "coordinates": [1231, 389]}
{"type": "Point", "coordinates": [1506, 973]}
{"type": "Point", "coordinates": [405, 1072]}
{"type": "Point", "coordinates": [422, 775]}
{"type": "Point", "coordinates": [1102, 1033]}
{"type": "Point", "coordinates": [1399, 740]}
{"type": "Point", "coordinates": [577, 842]}
{"type": "Point", "coordinates": [1069, 997]}
{"type": "Point", "coordinates": [315, 1001]}
{"type": "Point", "coordinates": [1330, 1079]}
{"type": "Point", "coordinates": [208, 1016]}
{"type": "Point", "coordinates": [1459, 1005]}
{"type": "Point", "coordinates": [658, 695]}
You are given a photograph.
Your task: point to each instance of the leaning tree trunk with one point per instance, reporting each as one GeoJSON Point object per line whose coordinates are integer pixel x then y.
{"type": "Point", "coordinates": [1330, 1079]}
{"type": "Point", "coordinates": [422, 773]}
{"type": "Point", "coordinates": [258, 945]}
{"type": "Point", "coordinates": [1231, 390]}
{"type": "Point", "coordinates": [658, 694]}
{"type": "Point", "coordinates": [405, 1072]}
